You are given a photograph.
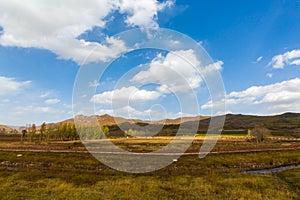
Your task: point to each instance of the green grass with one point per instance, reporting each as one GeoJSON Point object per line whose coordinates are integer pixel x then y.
{"type": "Point", "coordinates": [80, 176]}
{"type": "Point", "coordinates": [20, 186]}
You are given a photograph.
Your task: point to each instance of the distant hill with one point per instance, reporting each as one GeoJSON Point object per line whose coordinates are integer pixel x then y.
{"type": "Point", "coordinates": [283, 124]}
{"type": "Point", "coordinates": [233, 121]}
{"type": "Point", "coordinates": [110, 120]}
{"type": "Point", "coordinates": [5, 129]}
{"type": "Point", "coordinates": [179, 120]}
{"type": "Point", "coordinates": [103, 120]}
{"type": "Point", "coordinates": [284, 121]}
{"type": "Point", "coordinates": [279, 124]}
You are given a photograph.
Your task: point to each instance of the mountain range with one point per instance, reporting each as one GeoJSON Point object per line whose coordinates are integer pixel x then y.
{"type": "Point", "coordinates": [283, 123]}
{"type": "Point", "coordinates": [279, 124]}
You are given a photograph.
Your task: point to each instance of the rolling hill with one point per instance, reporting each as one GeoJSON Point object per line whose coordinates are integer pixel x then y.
{"type": "Point", "coordinates": [281, 124]}
{"type": "Point", "coordinates": [287, 123]}
{"type": "Point", "coordinates": [4, 129]}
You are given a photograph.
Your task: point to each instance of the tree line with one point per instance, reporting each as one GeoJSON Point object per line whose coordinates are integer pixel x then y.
{"type": "Point", "coordinates": [63, 132]}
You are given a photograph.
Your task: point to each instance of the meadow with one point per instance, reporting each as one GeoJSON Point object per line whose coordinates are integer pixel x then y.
{"type": "Point", "coordinates": [221, 175]}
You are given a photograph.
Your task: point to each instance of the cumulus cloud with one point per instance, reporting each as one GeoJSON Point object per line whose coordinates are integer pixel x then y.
{"type": "Point", "coordinates": [125, 95]}
{"type": "Point", "coordinates": [10, 86]}
{"type": "Point", "coordinates": [288, 58]}
{"type": "Point", "coordinates": [142, 13]}
{"type": "Point", "coordinates": [55, 25]}
{"type": "Point", "coordinates": [178, 71]}
{"type": "Point", "coordinates": [269, 99]}
{"type": "Point", "coordinates": [52, 101]}
{"type": "Point", "coordinates": [209, 69]}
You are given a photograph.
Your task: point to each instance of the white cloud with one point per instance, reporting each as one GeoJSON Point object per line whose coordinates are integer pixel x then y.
{"type": "Point", "coordinates": [295, 62]}
{"type": "Point", "coordinates": [94, 84]}
{"type": "Point", "coordinates": [78, 50]}
{"type": "Point", "coordinates": [269, 99]}
{"type": "Point", "coordinates": [36, 110]}
{"type": "Point", "coordinates": [259, 59]}
{"type": "Point", "coordinates": [270, 75]}
{"type": "Point", "coordinates": [44, 95]}
{"type": "Point", "coordinates": [31, 111]}
{"type": "Point", "coordinates": [256, 91]}
{"type": "Point", "coordinates": [55, 25]}
{"type": "Point", "coordinates": [126, 112]}
{"type": "Point", "coordinates": [52, 101]}
{"type": "Point", "coordinates": [10, 86]}
{"type": "Point", "coordinates": [217, 66]}
{"type": "Point", "coordinates": [178, 71]}
{"type": "Point", "coordinates": [23, 103]}
{"type": "Point", "coordinates": [106, 111]}
{"type": "Point", "coordinates": [142, 13]}
{"type": "Point", "coordinates": [288, 58]}
{"type": "Point", "coordinates": [174, 42]}
{"type": "Point", "coordinates": [149, 114]}
{"type": "Point", "coordinates": [201, 43]}
{"type": "Point", "coordinates": [124, 96]}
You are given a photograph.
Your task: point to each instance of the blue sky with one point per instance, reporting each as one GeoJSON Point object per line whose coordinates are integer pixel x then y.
{"type": "Point", "coordinates": [254, 44]}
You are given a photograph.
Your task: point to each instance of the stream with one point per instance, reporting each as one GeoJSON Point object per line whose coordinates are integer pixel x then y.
{"type": "Point", "coordinates": [273, 170]}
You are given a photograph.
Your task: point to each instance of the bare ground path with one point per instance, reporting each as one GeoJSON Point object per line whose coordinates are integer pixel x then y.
{"type": "Point", "coordinates": [292, 147]}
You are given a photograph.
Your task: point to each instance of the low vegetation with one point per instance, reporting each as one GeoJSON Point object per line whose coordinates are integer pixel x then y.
{"type": "Point", "coordinates": [75, 174]}
{"type": "Point", "coordinates": [260, 133]}
{"type": "Point", "coordinates": [80, 176]}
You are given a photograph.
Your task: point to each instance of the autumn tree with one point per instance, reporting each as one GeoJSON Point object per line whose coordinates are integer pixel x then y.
{"type": "Point", "coordinates": [260, 133]}
{"type": "Point", "coordinates": [23, 134]}
{"type": "Point", "coordinates": [105, 130]}
{"type": "Point", "coordinates": [2, 131]}
{"type": "Point", "coordinates": [42, 131]}
{"type": "Point", "coordinates": [74, 135]}
{"type": "Point", "coordinates": [32, 132]}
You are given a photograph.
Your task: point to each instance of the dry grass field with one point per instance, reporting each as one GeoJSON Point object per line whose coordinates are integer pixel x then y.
{"type": "Point", "coordinates": [31, 171]}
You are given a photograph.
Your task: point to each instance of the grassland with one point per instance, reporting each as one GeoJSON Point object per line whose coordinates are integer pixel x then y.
{"type": "Point", "coordinates": [225, 143]}
{"type": "Point", "coordinates": [48, 175]}
{"type": "Point", "coordinates": [21, 185]}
